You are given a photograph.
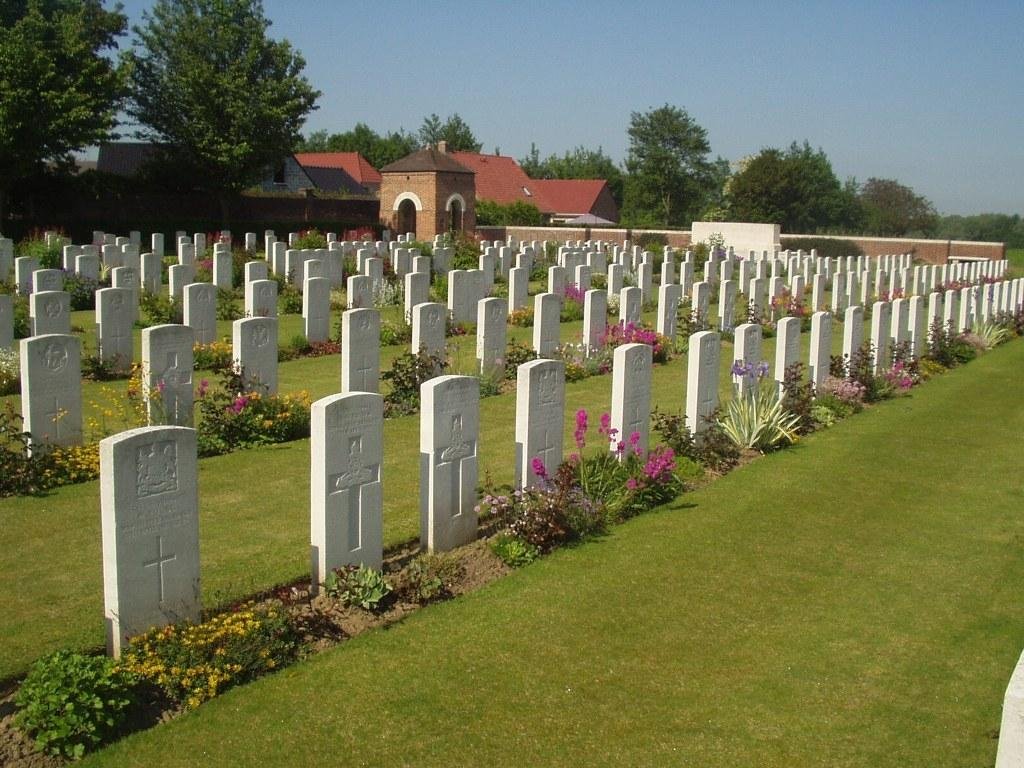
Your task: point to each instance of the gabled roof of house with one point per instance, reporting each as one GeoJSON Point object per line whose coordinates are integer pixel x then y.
{"type": "Point", "coordinates": [333, 180]}
{"type": "Point", "coordinates": [428, 159]}
{"type": "Point", "coordinates": [571, 196]}
{"type": "Point", "coordinates": [501, 179]}
{"type": "Point", "coordinates": [124, 158]}
{"type": "Point", "coordinates": [352, 163]}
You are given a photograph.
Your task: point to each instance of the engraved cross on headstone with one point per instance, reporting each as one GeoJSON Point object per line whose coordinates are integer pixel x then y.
{"type": "Point", "coordinates": [350, 482]}
{"type": "Point", "coordinates": [451, 458]}
{"type": "Point", "coordinates": [55, 415]}
{"type": "Point", "coordinates": [362, 372]}
{"type": "Point", "coordinates": [158, 563]}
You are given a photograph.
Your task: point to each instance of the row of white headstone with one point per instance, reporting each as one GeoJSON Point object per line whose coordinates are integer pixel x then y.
{"type": "Point", "coordinates": [148, 476]}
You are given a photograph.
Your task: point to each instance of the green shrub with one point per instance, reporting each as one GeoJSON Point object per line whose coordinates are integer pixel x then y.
{"type": "Point", "coordinates": [407, 372]}
{"type": "Point", "coordinates": [82, 291]}
{"type": "Point", "coordinates": [310, 238]}
{"type": "Point", "coordinates": [428, 577]}
{"type": "Point", "coordinates": [513, 551]}
{"type": "Point", "coordinates": [160, 308]}
{"type": "Point", "coordinates": [394, 333]}
{"type": "Point", "coordinates": [289, 300]}
{"type": "Point", "coordinates": [70, 703]}
{"type": "Point", "coordinates": [714, 450]}
{"type": "Point", "coordinates": [358, 586]}
{"type": "Point", "coordinates": [227, 305]}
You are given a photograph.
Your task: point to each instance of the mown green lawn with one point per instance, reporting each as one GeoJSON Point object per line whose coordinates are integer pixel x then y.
{"type": "Point", "coordinates": [853, 601]}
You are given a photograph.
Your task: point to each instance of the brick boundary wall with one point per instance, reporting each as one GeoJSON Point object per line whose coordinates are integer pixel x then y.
{"type": "Point", "coordinates": [928, 251]}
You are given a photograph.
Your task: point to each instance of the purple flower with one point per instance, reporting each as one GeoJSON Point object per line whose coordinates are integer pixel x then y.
{"type": "Point", "coordinates": [606, 424]}
{"type": "Point", "coordinates": [632, 484]}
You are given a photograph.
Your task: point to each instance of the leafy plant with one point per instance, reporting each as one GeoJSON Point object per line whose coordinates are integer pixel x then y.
{"type": "Point", "coordinates": [757, 419]}
{"type": "Point", "coordinates": [358, 586]}
{"type": "Point", "coordinates": [712, 449]}
{"type": "Point", "coordinates": [798, 397]}
{"type": "Point", "coordinates": [428, 577]}
{"type": "Point", "coordinates": [160, 308]}
{"type": "Point", "coordinates": [406, 374]}
{"type": "Point", "coordinates": [513, 551]}
{"type": "Point", "coordinates": [70, 703]}
{"type": "Point", "coordinates": [947, 347]}
{"type": "Point", "coordinates": [10, 372]}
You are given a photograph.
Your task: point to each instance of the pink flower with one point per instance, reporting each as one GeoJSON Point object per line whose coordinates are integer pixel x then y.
{"type": "Point", "coordinates": [634, 442]}
{"type": "Point", "coordinates": [632, 484]}
{"type": "Point", "coordinates": [606, 424]}
{"type": "Point", "coordinates": [581, 428]}
{"type": "Point", "coordinates": [538, 467]}
{"type": "Point", "coordinates": [204, 385]}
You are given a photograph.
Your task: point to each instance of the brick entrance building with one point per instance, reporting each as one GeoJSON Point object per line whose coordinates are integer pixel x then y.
{"type": "Point", "coordinates": [429, 193]}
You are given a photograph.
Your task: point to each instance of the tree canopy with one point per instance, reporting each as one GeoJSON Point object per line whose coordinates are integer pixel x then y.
{"type": "Point", "coordinates": [224, 101]}
{"type": "Point", "coordinates": [59, 91]}
{"type": "Point", "coordinates": [580, 163]}
{"type": "Point", "coordinates": [891, 209]}
{"type": "Point", "coordinates": [795, 188]}
{"type": "Point", "coordinates": [670, 176]}
{"type": "Point", "coordinates": [379, 150]}
{"type": "Point", "coordinates": [454, 131]}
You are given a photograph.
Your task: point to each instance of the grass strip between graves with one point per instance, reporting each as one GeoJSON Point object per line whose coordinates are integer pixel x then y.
{"type": "Point", "coordinates": [852, 601]}
{"type": "Point", "coordinates": [254, 509]}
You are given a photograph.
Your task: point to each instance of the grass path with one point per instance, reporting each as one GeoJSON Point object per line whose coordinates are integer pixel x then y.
{"type": "Point", "coordinates": [853, 601]}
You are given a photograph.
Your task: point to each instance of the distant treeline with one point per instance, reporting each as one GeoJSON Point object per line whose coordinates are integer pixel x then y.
{"type": "Point", "coordinates": [996, 227]}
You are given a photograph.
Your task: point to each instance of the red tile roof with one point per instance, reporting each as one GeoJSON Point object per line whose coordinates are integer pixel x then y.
{"type": "Point", "coordinates": [428, 159]}
{"type": "Point", "coordinates": [571, 196]}
{"type": "Point", "coordinates": [500, 179]}
{"type": "Point", "coordinates": [353, 163]}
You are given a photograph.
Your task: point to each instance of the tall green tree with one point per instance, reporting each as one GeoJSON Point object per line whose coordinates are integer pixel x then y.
{"type": "Point", "coordinates": [454, 130]}
{"type": "Point", "coordinates": [224, 101]}
{"type": "Point", "coordinates": [795, 188]}
{"type": "Point", "coordinates": [377, 149]}
{"type": "Point", "coordinates": [579, 163]}
{"type": "Point", "coordinates": [990, 227]}
{"type": "Point", "coordinates": [892, 209]}
{"type": "Point", "coordinates": [59, 87]}
{"type": "Point", "coordinates": [670, 176]}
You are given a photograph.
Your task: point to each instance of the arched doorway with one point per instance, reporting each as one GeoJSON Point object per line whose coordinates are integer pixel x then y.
{"type": "Point", "coordinates": [406, 216]}
{"type": "Point", "coordinates": [455, 216]}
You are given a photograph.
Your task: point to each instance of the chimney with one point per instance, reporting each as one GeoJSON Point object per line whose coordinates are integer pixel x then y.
{"type": "Point", "coordinates": [442, 147]}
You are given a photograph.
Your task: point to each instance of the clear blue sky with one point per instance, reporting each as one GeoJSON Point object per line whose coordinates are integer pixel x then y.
{"type": "Point", "coordinates": [929, 93]}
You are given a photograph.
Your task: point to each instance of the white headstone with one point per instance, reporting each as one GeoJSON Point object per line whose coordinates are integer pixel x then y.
{"type": "Point", "coordinates": [787, 347]}
{"type": "Point", "coordinates": [631, 395]}
{"type": "Point", "coordinates": [747, 352]}
{"type": "Point", "coordinates": [254, 347]}
{"type": "Point", "coordinates": [853, 332]}
{"type": "Point", "coordinates": [360, 350]}
{"type": "Point", "coordinates": [150, 523]}
{"type": "Point", "coordinates": [51, 388]}
{"type": "Point", "coordinates": [727, 304]}
{"type": "Point", "coordinates": [199, 310]}
{"type": "Point", "coordinates": [346, 500]}
{"type": "Point", "coordinates": [821, 348]}
{"type": "Point", "coordinates": [546, 315]}
{"type": "Point", "coordinates": [316, 309]}
{"type": "Point", "coordinates": [702, 379]}
{"type": "Point", "coordinates": [50, 312]}
{"type": "Point", "coordinates": [449, 431]}
{"type": "Point", "coordinates": [167, 362]}
{"type": "Point", "coordinates": [114, 340]}
{"type": "Point", "coordinates": [881, 320]}
{"type": "Point", "coordinates": [261, 298]}
{"type": "Point", "coordinates": [540, 414]}
{"type": "Point", "coordinates": [669, 296]}
{"type": "Point", "coordinates": [47, 280]}
{"type": "Point", "coordinates": [491, 332]}
{"type": "Point", "coordinates": [595, 319]}
{"type": "Point", "coordinates": [150, 277]}
{"type": "Point", "coordinates": [518, 283]}
{"type": "Point", "coordinates": [629, 306]}
{"type": "Point", "coordinates": [417, 291]}
{"type": "Point", "coordinates": [360, 292]}
{"type": "Point", "coordinates": [428, 328]}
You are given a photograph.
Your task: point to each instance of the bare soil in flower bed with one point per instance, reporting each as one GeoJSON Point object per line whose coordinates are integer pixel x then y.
{"type": "Point", "coordinates": [322, 621]}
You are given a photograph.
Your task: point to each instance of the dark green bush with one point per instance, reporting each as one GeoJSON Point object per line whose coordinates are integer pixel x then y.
{"type": "Point", "coordinates": [70, 703]}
